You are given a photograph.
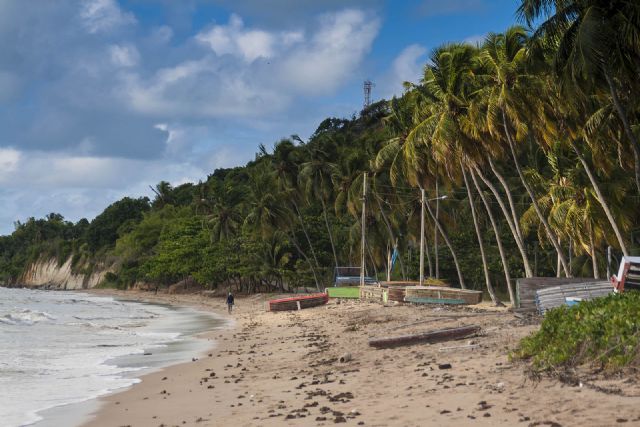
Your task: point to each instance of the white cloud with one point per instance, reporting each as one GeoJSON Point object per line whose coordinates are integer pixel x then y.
{"type": "Point", "coordinates": [124, 55]}
{"type": "Point", "coordinates": [333, 54]}
{"type": "Point", "coordinates": [406, 67]}
{"type": "Point", "coordinates": [112, 113]}
{"type": "Point", "coordinates": [9, 161]}
{"type": "Point", "coordinates": [104, 15]}
{"type": "Point", "coordinates": [162, 34]}
{"type": "Point", "coordinates": [201, 88]}
{"type": "Point", "coordinates": [234, 39]}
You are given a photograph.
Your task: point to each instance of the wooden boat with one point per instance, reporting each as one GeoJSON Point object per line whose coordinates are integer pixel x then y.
{"type": "Point", "coordinates": [397, 293]}
{"type": "Point", "coordinates": [526, 289]}
{"type": "Point", "coordinates": [297, 303]}
{"type": "Point", "coordinates": [628, 275]}
{"type": "Point", "coordinates": [556, 296]}
{"type": "Point", "coordinates": [443, 294]}
{"type": "Point", "coordinates": [374, 293]}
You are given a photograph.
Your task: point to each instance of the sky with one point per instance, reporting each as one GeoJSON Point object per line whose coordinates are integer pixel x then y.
{"type": "Point", "coordinates": [99, 99]}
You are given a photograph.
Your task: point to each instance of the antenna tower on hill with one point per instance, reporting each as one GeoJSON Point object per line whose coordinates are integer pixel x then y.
{"type": "Point", "coordinates": [368, 84]}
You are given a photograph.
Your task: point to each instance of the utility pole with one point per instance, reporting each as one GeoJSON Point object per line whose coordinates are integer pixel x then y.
{"type": "Point", "coordinates": [364, 216]}
{"type": "Point", "coordinates": [422, 236]}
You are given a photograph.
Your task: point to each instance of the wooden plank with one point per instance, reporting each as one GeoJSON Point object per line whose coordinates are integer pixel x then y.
{"type": "Point", "coordinates": [438, 335]}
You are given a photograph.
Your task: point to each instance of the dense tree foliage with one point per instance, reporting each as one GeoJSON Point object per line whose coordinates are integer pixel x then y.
{"type": "Point", "coordinates": [526, 145]}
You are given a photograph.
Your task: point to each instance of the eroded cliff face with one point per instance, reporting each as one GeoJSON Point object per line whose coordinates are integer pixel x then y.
{"type": "Point", "coordinates": [47, 273]}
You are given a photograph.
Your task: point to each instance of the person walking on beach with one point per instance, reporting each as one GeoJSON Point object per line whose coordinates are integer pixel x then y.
{"type": "Point", "coordinates": [230, 302]}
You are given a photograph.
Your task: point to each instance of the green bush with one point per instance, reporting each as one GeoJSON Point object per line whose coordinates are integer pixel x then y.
{"type": "Point", "coordinates": [604, 331]}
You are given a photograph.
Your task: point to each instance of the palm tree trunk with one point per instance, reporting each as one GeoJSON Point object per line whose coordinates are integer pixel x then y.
{"type": "Point", "coordinates": [601, 198]}
{"type": "Point", "coordinates": [313, 270]}
{"type": "Point", "coordinates": [391, 236]}
{"type": "Point", "coordinates": [558, 266]}
{"type": "Point", "coordinates": [514, 231]}
{"type": "Point", "coordinates": [635, 146]}
{"type": "Point", "coordinates": [592, 247]}
{"type": "Point", "coordinates": [507, 190]}
{"type": "Point", "coordinates": [326, 222]}
{"type": "Point", "coordinates": [476, 225]}
{"type": "Point", "coordinates": [426, 252]}
{"type": "Point", "coordinates": [503, 258]}
{"type": "Point", "coordinates": [449, 245]}
{"type": "Point", "coordinates": [550, 234]}
{"type": "Point", "coordinates": [373, 260]}
{"type": "Point", "coordinates": [306, 235]}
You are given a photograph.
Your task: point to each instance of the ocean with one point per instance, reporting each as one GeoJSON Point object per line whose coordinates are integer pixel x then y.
{"type": "Point", "coordinates": [59, 347]}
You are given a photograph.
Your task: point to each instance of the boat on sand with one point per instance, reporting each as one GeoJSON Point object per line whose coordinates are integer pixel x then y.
{"type": "Point", "coordinates": [297, 303]}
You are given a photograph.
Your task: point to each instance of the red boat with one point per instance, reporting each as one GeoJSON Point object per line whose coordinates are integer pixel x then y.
{"type": "Point", "coordinates": [297, 303]}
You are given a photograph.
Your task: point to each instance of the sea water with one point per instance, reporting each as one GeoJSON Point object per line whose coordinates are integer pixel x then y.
{"type": "Point", "coordinates": [58, 348]}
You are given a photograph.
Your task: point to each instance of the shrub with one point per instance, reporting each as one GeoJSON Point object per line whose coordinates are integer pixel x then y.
{"type": "Point", "coordinates": [604, 331]}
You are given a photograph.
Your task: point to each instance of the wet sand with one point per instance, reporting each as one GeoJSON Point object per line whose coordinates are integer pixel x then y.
{"type": "Point", "coordinates": [274, 369]}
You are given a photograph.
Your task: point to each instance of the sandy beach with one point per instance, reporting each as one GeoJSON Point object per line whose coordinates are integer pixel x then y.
{"type": "Point", "coordinates": [273, 369]}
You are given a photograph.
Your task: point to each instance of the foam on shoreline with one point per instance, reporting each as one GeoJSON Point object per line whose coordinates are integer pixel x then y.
{"type": "Point", "coordinates": [100, 356]}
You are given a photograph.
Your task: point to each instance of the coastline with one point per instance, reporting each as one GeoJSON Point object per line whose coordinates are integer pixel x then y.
{"type": "Point", "coordinates": [154, 360]}
{"type": "Point", "coordinates": [275, 369]}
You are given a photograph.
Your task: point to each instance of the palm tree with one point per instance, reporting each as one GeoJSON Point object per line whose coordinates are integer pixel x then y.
{"type": "Point", "coordinates": [162, 190]}
{"type": "Point", "coordinates": [595, 44]}
{"type": "Point", "coordinates": [225, 217]}
{"type": "Point", "coordinates": [450, 83]}
{"type": "Point", "coordinates": [287, 165]}
{"type": "Point", "coordinates": [567, 115]}
{"type": "Point", "coordinates": [483, 257]}
{"type": "Point", "coordinates": [267, 213]}
{"type": "Point", "coordinates": [315, 178]}
{"type": "Point", "coordinates": [503, 258]}
{"type": "Point", "coordinates": [507, 88]}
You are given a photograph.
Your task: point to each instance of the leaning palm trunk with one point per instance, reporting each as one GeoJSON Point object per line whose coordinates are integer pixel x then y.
{"type": "Point", "coordinates": [304, 255]}
{"type": "Point", "coordinates": [601, 198]}
{"type": "Point", "coordinates": [550, 234]}
{"type": "Point", "coordinates": [391, 236]}
{"type": "Point", "coordinates": [503, 258]}
{"type": "Point", "coordinates": [306, 235]}
{"type": "Point", "coordinates": [592, 248]}
{"type": "Point", "coordinates": [558, 266]}
{"type": "Point", "coordinates": [507, 190]}
{"type": "Point", "coordinates": [326, 222]}
{"type": "Point", "coordinates": [635, 146]}
{"type": "Point", "coordinates": [449, 245]}
{"type": "Point", "coordinates": [516, 236]}
{"type": "Point", "coordinates": [476, 225]}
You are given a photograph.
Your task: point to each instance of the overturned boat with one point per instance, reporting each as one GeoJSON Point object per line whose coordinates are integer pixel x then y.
{"type": "Point", "coordinates": [297, 303]}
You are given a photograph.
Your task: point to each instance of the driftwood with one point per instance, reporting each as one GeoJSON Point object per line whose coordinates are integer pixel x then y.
{"type": "Point", "coordinates": [428, 337]}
